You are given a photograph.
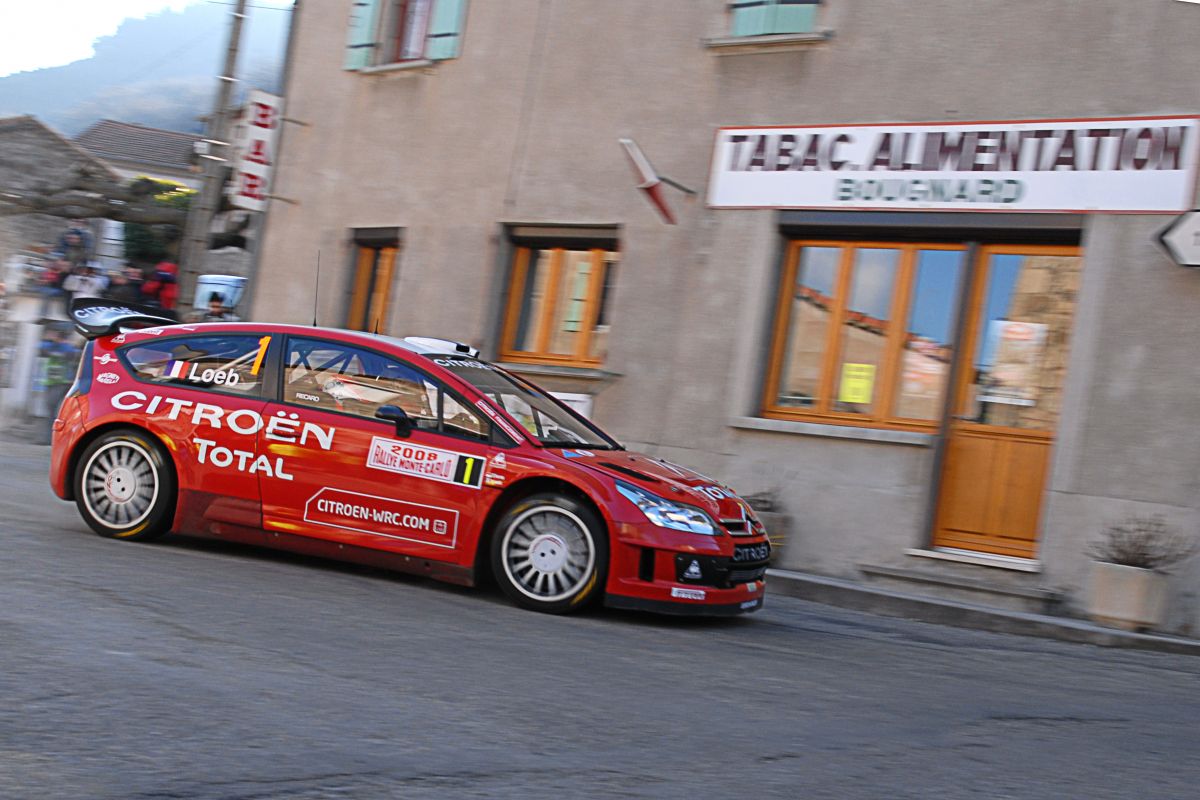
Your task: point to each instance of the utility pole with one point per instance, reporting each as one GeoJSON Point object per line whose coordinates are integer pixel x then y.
{"type": "Point", "coordinates": [204, 206]}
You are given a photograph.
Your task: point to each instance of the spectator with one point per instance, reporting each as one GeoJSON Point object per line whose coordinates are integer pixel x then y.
{"type": "Point", "coordinates": [217, 312]}
{"type": "Point", "coordinates": [161, 289]}
{"type": "Point", "coordinates": [85, 281]}
{"type": "Point", "coordinates": [126, 286]}
{"type": "Point", "coordinates": [50, 284]}
{"type": "Point", "coordinates": [76, 243]}
{"type": "Point", "coordinates": [59, 357]}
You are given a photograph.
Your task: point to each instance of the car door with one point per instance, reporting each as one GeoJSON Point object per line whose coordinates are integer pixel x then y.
{"type": "Point", "coordinates": [351, 478]}
{"type": "Point", "coordinates": [204, 395]}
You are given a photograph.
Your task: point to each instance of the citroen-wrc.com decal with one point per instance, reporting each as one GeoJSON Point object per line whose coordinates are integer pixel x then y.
{"type": "Point", "coordinates": [382, 516]}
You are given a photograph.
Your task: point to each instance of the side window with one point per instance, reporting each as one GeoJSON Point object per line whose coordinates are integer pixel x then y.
{"type": "Point", "coordinates": [376, 250]}
{"type": "Point", "coordinates": [231, 364]}
{"type": "Point", "coordinates": [558, 305]}
{"type": "Point", "coordinates": [351, 380]}
{"type": "Point", "coordinates": [457, 418]}
{"type": "Point", "coordinates": [395, 31]}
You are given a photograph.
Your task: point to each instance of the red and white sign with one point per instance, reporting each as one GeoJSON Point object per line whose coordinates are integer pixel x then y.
{"type": "Point", "coordinates": [1144, 164]}
{"type": "Point", "coordinates": [430, 463]}
{"type": "Point", "coordinates": [382, 516]}
{"type": "Point", "coordinates": [255, 150]}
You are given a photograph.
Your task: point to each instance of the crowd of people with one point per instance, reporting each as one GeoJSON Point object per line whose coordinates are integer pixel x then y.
{"type": "Point", "coordinates": [65, 281]}
{"type": "Point", "coordinates": [72, 273]}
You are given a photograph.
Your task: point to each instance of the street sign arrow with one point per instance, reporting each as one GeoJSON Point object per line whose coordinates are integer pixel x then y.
{"type": "Point", "coordinates": [1181, 239]}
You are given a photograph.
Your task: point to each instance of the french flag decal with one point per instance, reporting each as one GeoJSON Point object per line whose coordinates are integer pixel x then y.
{"type": "Point", "coordinates": [175, 369]}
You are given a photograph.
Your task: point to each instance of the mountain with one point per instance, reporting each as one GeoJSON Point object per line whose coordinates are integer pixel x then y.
{"type": "Point", "coordinates": [160, 71]}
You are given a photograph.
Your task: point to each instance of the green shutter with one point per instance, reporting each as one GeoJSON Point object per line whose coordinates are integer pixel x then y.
{"type": "Point", "coordinates": [360, 34]}
{"type": "Point", "coordinates": [750, 17]}
{"type": "Point", "coordinates": [793, 16]}
{"type": "Point", "coordinates": [445, 29]}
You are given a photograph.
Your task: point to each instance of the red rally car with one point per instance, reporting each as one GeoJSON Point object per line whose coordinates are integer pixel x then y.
{"type": "Point", "coordinates": [410, 454]}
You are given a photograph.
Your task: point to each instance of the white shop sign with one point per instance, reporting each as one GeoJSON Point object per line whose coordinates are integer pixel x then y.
{"type": "Point", "coordinates": [257, 136]}
{"type": "Point", "coordinates": [1144, 164]}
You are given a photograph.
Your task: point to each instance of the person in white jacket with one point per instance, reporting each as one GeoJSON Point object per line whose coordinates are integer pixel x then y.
{"type": "Point", "coordinates": [85, 282]}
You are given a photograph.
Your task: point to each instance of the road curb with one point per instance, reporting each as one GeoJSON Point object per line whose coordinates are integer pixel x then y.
{"type": "Point", "coordinates": [873, 600]}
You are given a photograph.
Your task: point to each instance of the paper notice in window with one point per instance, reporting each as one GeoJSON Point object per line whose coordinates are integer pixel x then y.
{"type": "Point", "coordinates": [858, 384]}
{"type": "Point", "coordinates": [1016, 349]}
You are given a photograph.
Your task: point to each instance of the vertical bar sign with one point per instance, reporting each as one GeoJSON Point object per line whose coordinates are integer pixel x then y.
{"type": "Point", "coordinates": [257, 136]}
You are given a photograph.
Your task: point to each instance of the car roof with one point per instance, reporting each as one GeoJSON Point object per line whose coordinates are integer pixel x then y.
{"type": "Point", "coordinates": [341, 334]}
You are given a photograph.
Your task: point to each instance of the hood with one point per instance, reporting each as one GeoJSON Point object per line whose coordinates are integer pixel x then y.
{"type": "Point", "coordinates": [672, 482]}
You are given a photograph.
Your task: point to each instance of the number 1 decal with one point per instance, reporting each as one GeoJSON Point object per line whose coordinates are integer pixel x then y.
{"type": "Point", "coordinates": [262, 352]}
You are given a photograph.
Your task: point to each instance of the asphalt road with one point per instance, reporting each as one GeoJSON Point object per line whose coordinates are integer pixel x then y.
{"type": "Point", "coordinates": [187, 669]}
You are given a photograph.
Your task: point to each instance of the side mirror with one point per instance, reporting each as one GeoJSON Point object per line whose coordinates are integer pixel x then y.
{"type": "Point", "coordinates": [404, 423]}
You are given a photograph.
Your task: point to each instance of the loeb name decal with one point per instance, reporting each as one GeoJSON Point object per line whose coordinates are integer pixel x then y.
{"type": "Point", "coordinates": [382, 516]}
{"type": "Point", "coordinates": [425, 462]}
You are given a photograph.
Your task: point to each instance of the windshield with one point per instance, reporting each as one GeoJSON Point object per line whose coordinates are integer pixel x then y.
{"type": "Point", "coordinates": [550, 422]}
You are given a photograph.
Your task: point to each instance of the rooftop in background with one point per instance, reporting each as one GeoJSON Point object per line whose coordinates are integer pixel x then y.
{"type": "Point", "coordinates": [138, 144]}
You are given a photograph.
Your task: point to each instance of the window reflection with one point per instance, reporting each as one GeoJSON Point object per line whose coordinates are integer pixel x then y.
{"type": "Point", "coordinates": [929, 334]}
{"type": "Point", "coordinates": [812, 302]}
{"type": "Point", "coordinates": [1019, 362]}
{"type": "Point", "coordinates": [864, 330]}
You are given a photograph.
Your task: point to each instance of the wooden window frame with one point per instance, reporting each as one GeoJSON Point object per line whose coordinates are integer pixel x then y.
{"type": "Point", "coordinates": [889, 370]}
{"type": "Point", "coordinates": [521, 261]}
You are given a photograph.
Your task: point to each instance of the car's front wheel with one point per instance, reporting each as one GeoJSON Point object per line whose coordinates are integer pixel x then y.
{"type": "Point", "coordinates": [124, 487]}
{"type": "Point", "coordinates": [550, 553]}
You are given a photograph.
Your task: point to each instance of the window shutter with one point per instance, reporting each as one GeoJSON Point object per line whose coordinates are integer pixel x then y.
{"type": "Point", "coordinates": [793, 16]}
{"type": "Point", "coordinates": [360, 34]}
{"type": "Point", "coordinates": [750, 17]}
{"type": "Point", "coordinates": [445, 29]}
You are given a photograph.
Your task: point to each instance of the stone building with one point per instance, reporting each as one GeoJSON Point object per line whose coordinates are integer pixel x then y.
{"type": "Point", "coordinates": [134, 151]}
{"type": "Point", "coordinates": [31, 154]}
{"type": "Point", "coordinates": [1001, 363]}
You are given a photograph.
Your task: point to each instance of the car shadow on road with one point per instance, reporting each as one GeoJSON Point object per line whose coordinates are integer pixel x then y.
{"type": "Point", "coordinates": [486, 592]}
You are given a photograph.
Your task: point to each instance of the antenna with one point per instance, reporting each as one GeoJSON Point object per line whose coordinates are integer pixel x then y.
{"type": "Point", "coordinates": [317, 289]}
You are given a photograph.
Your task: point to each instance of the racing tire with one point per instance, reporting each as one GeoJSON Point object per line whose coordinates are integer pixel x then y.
{"type": "Point", "coordinates": [550, 554]}
{"type": "Point", "coordinates": [125, 487]}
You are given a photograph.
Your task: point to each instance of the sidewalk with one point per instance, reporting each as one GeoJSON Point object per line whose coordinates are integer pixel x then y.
{"type": "Point", "coordinates": [888, 603]}
{"type": "Point", "coordinates": [27, 431]}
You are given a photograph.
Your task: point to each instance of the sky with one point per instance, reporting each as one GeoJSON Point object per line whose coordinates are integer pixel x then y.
{"type": "Point", "coordinates": [50, 33]}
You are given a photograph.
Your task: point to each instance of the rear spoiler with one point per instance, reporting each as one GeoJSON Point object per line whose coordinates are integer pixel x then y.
{"type": "Point", "coordinates": [94, 317]}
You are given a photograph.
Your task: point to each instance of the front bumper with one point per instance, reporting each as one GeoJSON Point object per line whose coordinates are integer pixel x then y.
{"type": "Point", "coordinates": [679, 573]}
{"type": "Point", "coordinates": [678, 608]}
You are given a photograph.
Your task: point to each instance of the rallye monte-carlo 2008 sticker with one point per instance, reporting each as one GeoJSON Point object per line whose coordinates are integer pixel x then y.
{"type": "Point", "coordinates": [425, 462]}
{"type": "Point", "coordinates": [383, 516]}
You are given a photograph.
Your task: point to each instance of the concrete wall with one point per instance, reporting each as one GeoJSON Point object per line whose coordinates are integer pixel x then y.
{"type": "Point", "coordinates": [523, 128]}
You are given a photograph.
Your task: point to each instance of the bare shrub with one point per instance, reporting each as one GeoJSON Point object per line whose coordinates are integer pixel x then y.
{"type": "Point", "coordinates": [1147, 542]}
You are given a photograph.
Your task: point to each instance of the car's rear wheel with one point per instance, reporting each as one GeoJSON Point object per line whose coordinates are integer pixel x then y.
{"type": "Point", "coordinates": [124, 487]}
{"type": "Point", "coordinates": [550, 553]}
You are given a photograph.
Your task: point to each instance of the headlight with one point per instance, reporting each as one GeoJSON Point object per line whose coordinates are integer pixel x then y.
{"type": "Point", "coordinates": [666, 514]}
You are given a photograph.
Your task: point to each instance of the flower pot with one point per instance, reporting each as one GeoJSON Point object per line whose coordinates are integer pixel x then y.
{"type": "Point", "coordinates": [1131, 598]}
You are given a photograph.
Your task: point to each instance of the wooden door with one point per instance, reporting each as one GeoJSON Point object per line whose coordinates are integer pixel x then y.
{"type": "Point", "coordinates": [1011, 376]}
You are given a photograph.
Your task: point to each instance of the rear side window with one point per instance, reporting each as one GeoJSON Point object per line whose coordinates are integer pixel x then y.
{"type": "Point", "coordinates": [232, 364]}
